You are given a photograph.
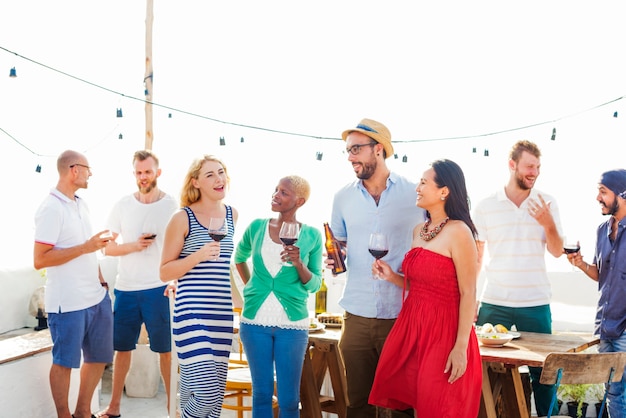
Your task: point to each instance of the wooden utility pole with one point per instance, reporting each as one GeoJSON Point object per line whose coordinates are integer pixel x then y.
{"type": "Point", "coordinates": [148, 75]}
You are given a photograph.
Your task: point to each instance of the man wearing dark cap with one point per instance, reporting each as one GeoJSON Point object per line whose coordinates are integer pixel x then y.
{"type": "Point", "coordinates": [608, 269]}
{"type": "Point", "coordinates": [377, 201]}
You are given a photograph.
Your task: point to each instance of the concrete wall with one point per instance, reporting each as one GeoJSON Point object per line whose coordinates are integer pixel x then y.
{"type": "Point", "coordinates": [25, 388]}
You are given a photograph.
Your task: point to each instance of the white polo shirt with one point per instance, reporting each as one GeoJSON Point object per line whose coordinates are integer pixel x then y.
{"type": "Point", "coordinates": [516, 272]}
{"type": "Point", "coordinates": [65, 223]}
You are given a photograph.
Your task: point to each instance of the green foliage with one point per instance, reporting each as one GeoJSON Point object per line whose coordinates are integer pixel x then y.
{"type": "Point", "coordinates": [575, 393]}
{"type": "Point", "coordinates": [597, 392]}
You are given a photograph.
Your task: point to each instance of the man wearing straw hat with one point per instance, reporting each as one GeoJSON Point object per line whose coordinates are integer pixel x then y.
{"type": "Point", "coordinates": [377, 201]}
{"type": "Point", "coordinates": [608, 269]}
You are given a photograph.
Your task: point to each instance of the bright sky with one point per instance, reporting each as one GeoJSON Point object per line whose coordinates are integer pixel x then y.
{"type": "Point", "coordinates": [428, 71]}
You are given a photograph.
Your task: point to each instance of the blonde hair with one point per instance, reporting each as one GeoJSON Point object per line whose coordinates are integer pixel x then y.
{"type": "Point", "coordinates": [300, 186]}
{"type": "Point", "coordinates": [189, 194]}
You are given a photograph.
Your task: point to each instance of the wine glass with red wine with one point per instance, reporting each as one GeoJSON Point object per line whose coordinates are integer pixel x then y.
{"type": "Point", "coordinates": [378, 247]}
{"type": "Point", "coordinates": [288, 235]}
{"type": "Point", "coordinates": [217, 229]}
{"type": "Point", "coordinates": [570, 246]}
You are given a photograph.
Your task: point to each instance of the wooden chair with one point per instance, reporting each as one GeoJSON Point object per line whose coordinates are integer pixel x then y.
{"type": "Point", "coordinates": [580, 368]}
{"type": "Point", "coordinates": [239, 383]}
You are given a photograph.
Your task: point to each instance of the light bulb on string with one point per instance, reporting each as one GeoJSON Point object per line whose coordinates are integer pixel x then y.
{"type": "Point", "coordinates": [319, 155]}
{"type": "Point", "coordinates": [615, 114]}
{"type": "Point", "coordinates": [120, 136]}
{"type": "Point", "coordinates": [38, 168]}
{"type": "Point", "coordinates": [119, 112]}
{"type": "Point", "coordinates": [553, 137]}
{"type": "Point", "coordinates": [405, 158]}
{"type": "Point", "coordinates": [486, 153]}
{"type": "Point", "coordinates": [222, 141]}
{"type": "Point", "coordinates": [13, 73]}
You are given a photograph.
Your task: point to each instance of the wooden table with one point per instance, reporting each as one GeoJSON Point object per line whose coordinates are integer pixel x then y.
{"type": "Point", "coordinates": [501, 376]}
{"type": "Point", "coordinates": [323, 355]}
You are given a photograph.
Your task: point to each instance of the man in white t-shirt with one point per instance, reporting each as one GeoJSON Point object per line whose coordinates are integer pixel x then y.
{"type": "Point", "coordinates": [518, 223]}
{"type": "Point", "coordinates": [139, 221]}
{"type": "Point", "coordinates": [77, 300]}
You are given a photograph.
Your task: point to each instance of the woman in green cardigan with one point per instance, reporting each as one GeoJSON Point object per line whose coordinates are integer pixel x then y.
{"type": "Point", "coordinates": [275, 319]}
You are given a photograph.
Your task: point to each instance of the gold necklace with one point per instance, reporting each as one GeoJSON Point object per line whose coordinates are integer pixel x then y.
{"type": "Point", "coordinates": [427, 236]}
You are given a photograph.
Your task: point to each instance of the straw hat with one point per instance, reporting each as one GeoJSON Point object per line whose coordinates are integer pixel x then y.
{"type": "Point", "coordinates": [375, 130]}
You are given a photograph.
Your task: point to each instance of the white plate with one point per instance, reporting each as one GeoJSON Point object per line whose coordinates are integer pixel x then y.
{"type": "Point", "coordinates": [318, 327]}
{"type": "Point", "coordinates": [494, 340]}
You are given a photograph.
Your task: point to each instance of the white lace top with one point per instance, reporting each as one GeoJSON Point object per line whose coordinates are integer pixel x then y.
{"type": "Point", "coordinates": [271, 313]}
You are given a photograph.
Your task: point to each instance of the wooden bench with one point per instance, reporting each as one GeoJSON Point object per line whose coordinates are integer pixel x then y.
{"type": "Point", "coordinates": [26, 345]}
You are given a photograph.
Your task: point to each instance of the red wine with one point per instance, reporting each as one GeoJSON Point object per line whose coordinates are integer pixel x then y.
{"type": "Point", "coordinates": [378, 254]}
{"type": "Point", "coordinates": [217, 236]}
{"type": "Point", "coordinates": [571, 249]}
{"type": "Point", "coordinates": [289, 241]}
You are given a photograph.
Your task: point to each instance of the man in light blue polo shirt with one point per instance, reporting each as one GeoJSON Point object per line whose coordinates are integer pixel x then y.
{"type": "Point", "coordinates": [378, 201]}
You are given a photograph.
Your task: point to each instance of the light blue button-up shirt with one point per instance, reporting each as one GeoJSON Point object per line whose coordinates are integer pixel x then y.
{"type": "Point", "coordinates": [354, 217]}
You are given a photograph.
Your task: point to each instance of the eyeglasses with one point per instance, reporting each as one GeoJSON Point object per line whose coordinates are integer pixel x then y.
{"type": "Point", "coordinates": [81, 165]}
{"type": "Point", "coordinates": [355, 149]}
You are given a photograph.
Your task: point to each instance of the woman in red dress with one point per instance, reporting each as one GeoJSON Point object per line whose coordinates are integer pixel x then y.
{"type": "Point", "coordinates": [430, 360]}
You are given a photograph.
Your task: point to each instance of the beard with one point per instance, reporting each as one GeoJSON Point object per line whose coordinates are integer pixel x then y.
{"type": "Point", "coordinates": [613, 208]}
{"type": "Point", "coordinates": [147, 189]}
{"type": "Point", "coordinates": [521, 183]}
{"type": "Point", "coordinates": [367, 171]}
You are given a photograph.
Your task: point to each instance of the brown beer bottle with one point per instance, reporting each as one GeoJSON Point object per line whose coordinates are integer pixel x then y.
{"type": "Point", "coordinates": [333, 249]}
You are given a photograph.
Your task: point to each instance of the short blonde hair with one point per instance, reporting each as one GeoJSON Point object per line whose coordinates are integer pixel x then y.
{"type": "Point", "coordinates": [300, 186]}
{"type": "Point", "coordinates": [189, 193]}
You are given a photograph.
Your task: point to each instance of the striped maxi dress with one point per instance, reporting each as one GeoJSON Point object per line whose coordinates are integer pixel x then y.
{"type": "Point", "coordinates": [203, 324]}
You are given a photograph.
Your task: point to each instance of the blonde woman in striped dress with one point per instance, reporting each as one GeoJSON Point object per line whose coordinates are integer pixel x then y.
{"type": "Point", "coordinates": [203, 315]}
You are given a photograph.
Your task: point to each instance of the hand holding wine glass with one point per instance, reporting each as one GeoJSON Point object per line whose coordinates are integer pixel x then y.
{"type": "Point", "coordinates": [378, 247]}
{"type": "Point", "coordinates": [288, 235]}
{"type": "Point", "coordinates": [217, 230]}
{"type": "Point", "coordinates": [148, 234]}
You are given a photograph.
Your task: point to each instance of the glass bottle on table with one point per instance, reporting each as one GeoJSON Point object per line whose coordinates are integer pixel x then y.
{"type": "Point", "coordinates": [320, 298]}
{"type": "Point", "coordinates": [333, 249]}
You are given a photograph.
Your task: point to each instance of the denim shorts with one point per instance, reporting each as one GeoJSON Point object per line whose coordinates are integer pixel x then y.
{"type": "Point", "coordinates": [138, 307]}
{"type": "Point", "coordinates": [89, 330]}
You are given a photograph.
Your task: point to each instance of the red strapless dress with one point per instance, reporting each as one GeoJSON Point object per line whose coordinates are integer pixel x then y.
{"type": "Point", "coordinates": [410, 370]}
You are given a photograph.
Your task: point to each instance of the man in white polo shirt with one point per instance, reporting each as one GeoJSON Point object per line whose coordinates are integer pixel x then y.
{"type": "Point", "coordinates": [518, 223]}
{"type": "Point", "coordinates": [77, 298]}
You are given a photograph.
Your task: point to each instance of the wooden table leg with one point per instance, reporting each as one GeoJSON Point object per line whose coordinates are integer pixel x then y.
{"type": "Point", "coordinates": [309, 390]}
{"type": "Point", "coordinates": [487, 403]}
{"type": "Point", "coordinates": [338, 380]}
{"type": "Point", "coordinates": [520, 395]}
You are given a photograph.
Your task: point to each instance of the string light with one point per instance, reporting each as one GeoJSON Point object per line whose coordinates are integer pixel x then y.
{"type": "Point", "coordinates": [319, 155]}
{"type": "Point", "coordinates": [222, 141]}
{"type": "Point", "coordinates": [553, 137]}
{"type": "Point", "coordinates": [38, 168]}
{"type": "Point", "coordinates": [120, 136]}
{"type": "Point", "coordinates": [13, 73]}
{"type": "Point", "coordinates": [486, 154]}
